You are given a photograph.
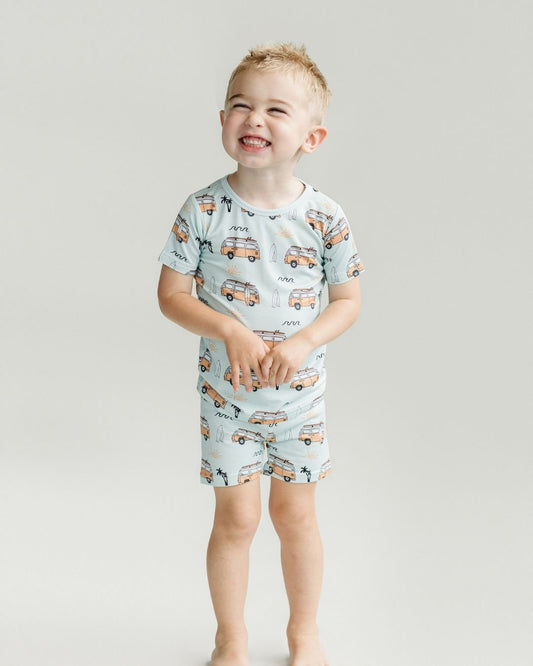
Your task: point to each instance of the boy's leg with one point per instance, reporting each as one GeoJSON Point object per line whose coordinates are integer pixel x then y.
{"type": "Point", "coordinates": [237, 513]}
{"type": "Point", "coordinates": [292, 508]}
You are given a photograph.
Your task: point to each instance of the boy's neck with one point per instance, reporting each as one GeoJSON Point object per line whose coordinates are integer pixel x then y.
{"type": "Point", "coordinates": [265, 189]}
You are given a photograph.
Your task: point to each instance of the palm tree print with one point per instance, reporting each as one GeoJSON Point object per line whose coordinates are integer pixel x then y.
{"type": "Point", "coordinates": [223, 475]}
{"type": "Point", "coordinates": [306, 471]}
{"type": "Point", "coordinates": [228, 201]}
{"type": "Point", "coordinates": [201, 243]}
{"type": "Point", "coordinates": [236, 409]}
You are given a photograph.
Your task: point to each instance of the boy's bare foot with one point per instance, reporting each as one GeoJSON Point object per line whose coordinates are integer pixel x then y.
{"type": "Point", "coordinates": [230, 652]}
{"type": "Point", "coordinates": [305, 649]}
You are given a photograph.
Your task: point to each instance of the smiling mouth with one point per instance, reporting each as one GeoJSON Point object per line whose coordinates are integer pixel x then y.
{"type": "Point", "coordinates": [254, 142]}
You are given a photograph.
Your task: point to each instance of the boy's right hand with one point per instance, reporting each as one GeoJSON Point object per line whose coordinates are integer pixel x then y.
{"type": "Point", "coordinates": [245, 350]}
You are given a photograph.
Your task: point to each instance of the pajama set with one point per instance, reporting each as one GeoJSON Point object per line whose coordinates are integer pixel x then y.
{"type": "Point", "coordinates": [268, 269]}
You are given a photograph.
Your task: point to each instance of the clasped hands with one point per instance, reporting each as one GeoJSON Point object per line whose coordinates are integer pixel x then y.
{"type": "Point", "coordinates": [248, 353]}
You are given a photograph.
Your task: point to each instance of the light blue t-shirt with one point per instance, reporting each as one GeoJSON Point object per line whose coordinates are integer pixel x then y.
{"type": "Point", "coordinates": [268, 269]}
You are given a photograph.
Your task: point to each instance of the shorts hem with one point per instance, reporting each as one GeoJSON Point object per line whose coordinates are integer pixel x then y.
{"type": "Point", "coordinates": [234, 480]}
{"type": "Point", "coordinates": [228, 481]}
{"type": "Point", "coordinates": [300, 478]}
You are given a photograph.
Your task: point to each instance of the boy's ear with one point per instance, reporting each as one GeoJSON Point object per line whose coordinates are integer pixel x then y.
{"type": "Point", "coordinates": [314, 139]}
{"type": "Point", "coordinates": [222, 117]}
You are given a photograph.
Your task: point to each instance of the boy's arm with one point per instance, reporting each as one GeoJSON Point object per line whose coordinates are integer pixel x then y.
{"type": "Point", "coordinates": [244, 348]}
{"type": "Point", "coordinates": [280, 364]}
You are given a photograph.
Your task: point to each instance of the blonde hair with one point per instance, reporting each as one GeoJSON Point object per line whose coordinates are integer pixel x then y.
{"type": "Point", "coordinates": [286, 57]}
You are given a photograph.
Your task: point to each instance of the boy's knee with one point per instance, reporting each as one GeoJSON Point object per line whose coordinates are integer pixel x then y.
{"type": "Point", "coordinates": [291, 518]}
{"type": "Point", "coordinates": [238, 522]}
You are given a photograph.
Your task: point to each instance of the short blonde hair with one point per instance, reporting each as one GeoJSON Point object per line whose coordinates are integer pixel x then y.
{"type": "Point", "coordinates": [286, 57]}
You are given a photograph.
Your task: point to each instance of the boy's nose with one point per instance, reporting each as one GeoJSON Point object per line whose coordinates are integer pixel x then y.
{"type": "Point", "coordinates": [254, 119]}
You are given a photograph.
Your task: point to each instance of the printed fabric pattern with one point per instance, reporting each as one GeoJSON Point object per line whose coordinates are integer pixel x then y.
{"type": "Point", "coordinates": [268, 270]}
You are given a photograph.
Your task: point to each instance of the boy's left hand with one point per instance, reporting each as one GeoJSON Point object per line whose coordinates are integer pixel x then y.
{"type": "Point", "coordinates": [281, 363]}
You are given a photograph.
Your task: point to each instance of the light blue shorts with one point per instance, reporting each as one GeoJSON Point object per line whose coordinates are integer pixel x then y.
{"type": "Point", "coordinates": [239, 447]}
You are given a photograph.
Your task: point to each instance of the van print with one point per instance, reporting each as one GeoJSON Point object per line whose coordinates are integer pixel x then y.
{"type": "Point", "coordinates": [267, 418]}
{"type": "Point", "coordinates": [233, 246]}
{"type": "Point", "coordinates": [204, 428]}
{"type": "Point", "coordinates": [302, 297]}
{"type": "Point", "coordinates": [250, 472]}
{"type": "Point", "coordinates": [354, 266]}
{"type": "Point", "coordinates": [325, 469]}
{"type": "Point", "coordinates": [207, 203]}
{"type": "Point", "coordinates": [242, 291]}
{"type": "Point", "coordinates": [305, 378]}
{"type": "Point", "coordinates": [317, 219]}
{"type": "Point", "coordinates": [301, 256]}
{"type": "Point", "coordinates": [312, 432]}
{"type": "Point", "coordinates": [256, 383]}
{"type": "Point", "coordinates": [206, 471]}
{"type": "Point", "coordinates": [181, 229]}
{"type": "Point", "coordinates": [283, 468]}
{"type": "Point", "coordinates": [198, 276]}
{"type": "Point", "coordinates": [242, 435]}
{"type": "Point", "coordinates": [205, 361]}
{"type": "Point", "coordinates": [339, 233]}
{"type": "Point", "coordinates": [215, 397]}
{"type": "Point", "coordinates": [271, 338]}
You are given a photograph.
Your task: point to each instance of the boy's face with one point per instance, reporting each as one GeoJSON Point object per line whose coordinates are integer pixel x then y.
{"type": "Point", "coordinates": [268, 120]}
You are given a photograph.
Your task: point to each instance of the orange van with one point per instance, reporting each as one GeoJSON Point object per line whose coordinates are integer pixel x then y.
{"type": "Point", "coordinates": [281, 467]}
{"type": "Point", "coordinates": [206, 472]}
{"type": "Point", "coordinates": [301, 256]}
{"type": "Point", "coordinates": [242, 435]}
{"type": "Point", "coordinates": [204, 428]}
{"type": "Point", "coordinates": [250, 472]}
{"type": "Point", "coordinates": [339, 233]}
{"type": "Point", "coordinates": [354, 266]}
{"type": "Point", "coordinates": [181, 229]}
{"type": "Point", "coordinates": [215, 397]}
{"type": "Point", "coordinates": [205, 361]}
{"type": "Point", "coordinates": [312, 432]}
{"type": "Point", "coordinates": [317, 220]}
{"type": "Point", "coordinates": [240, 247]}
{"type": "Point", "coordinates": [304, 378]}
{"type": "Point", "coordinates": [242, 291]}
{"type": "Point", "coordinates": [207, 203]}
{"type": "Point", "coordinates": [302, 297]}
{"type": "Point", "coordinates": [267, 418]}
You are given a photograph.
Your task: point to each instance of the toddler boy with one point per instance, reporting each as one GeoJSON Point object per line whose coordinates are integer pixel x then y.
{"type": "Point", "coordinates": [261, 245]}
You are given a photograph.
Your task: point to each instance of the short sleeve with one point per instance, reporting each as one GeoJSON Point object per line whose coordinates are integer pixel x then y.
{"type": "Point", "coordinates": [182, 250]}
{"type": "Point", "coordinates": [340, 258]}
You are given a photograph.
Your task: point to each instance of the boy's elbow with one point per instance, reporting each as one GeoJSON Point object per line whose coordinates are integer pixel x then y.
{"type": "Point", "coordinates": [166, 302]}
{"type": "Point", "coordinates": [161, 299]}
{"type": "Point", "coordinates": [174, 305]}
{"type": "Point", "coordinates": [162, 305]}
{"type": "Point", "coordinates": [168, 305]}
{"type": "Point", "coordinates": [172, 291]}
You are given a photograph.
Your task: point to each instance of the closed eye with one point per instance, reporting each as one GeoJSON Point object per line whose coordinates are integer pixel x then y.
{"type": "Point", "coordinates": [240, 105]}
{"type": "Point", "coordinates": [276, 110]}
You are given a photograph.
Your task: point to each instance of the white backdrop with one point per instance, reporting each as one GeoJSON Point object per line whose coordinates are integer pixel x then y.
{"type": "Point", "coordinates": [109, 117]}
